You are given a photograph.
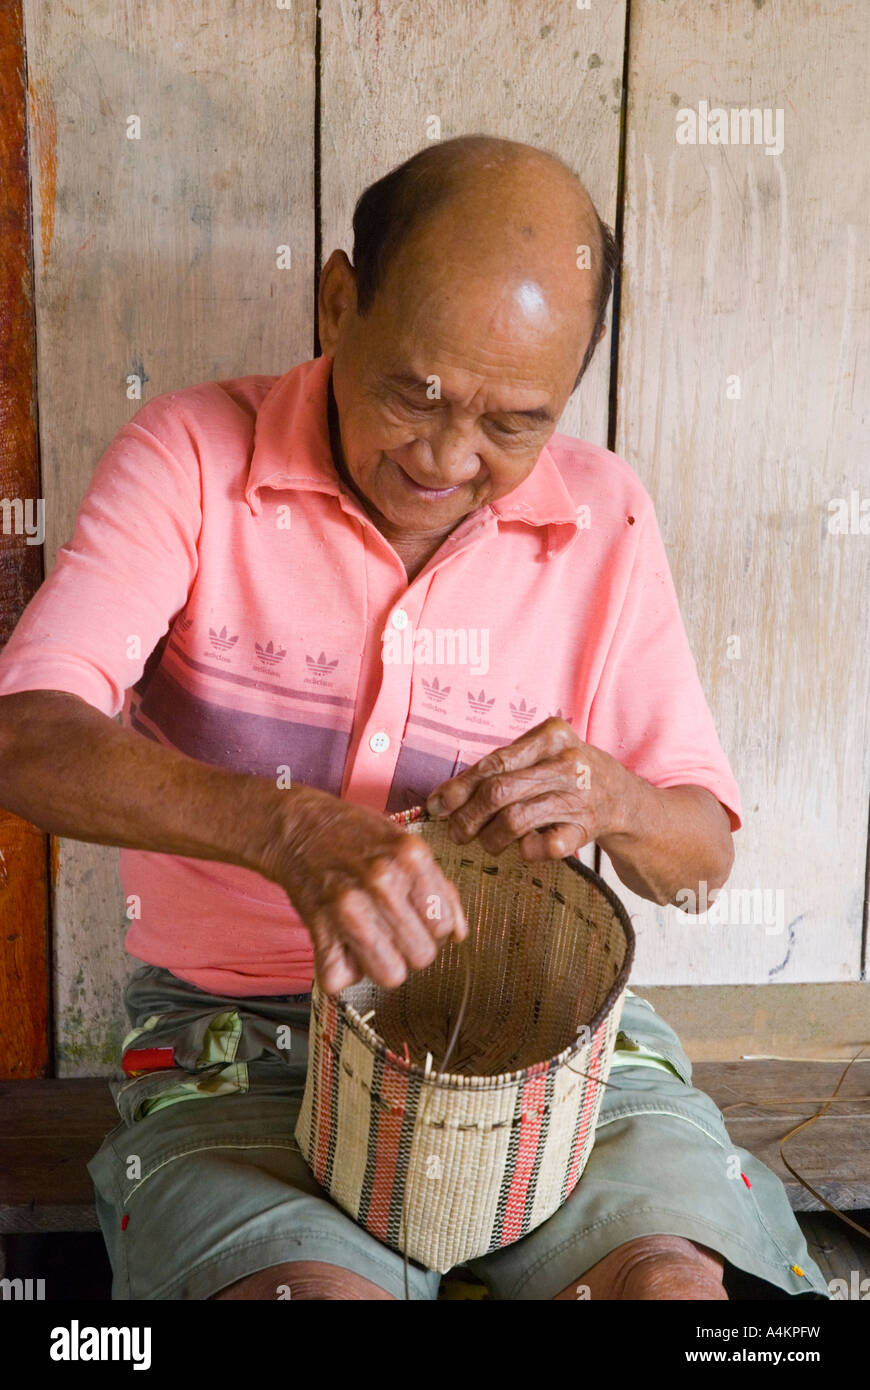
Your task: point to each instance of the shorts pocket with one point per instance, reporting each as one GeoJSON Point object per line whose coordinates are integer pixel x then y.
{"type": "Point", "coordinates": [206, 1064]}
{"type": "Point", "coordinates": [143, 1095]}
{"type": "Point", "coordinates": [643, 1032]}
{"type": "Point", "coordinates": [629, 1051]}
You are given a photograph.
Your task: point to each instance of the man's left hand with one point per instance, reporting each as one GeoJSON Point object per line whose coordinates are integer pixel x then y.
{"type": "Point", "coordinates": [548, 791]}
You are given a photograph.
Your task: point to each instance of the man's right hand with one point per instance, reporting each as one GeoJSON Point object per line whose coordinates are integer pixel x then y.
{"type": "Point", "coordinates": [374, 900]}
{"type": "Point", "coordinates": [369, 893]}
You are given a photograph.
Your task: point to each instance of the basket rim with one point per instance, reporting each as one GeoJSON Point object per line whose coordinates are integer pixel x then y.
{"type": "Point", "coordinates": [453, 1080]}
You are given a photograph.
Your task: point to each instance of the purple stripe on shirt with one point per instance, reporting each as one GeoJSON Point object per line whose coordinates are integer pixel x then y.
{"type": "Point", "coordinates": [417, 774]}
{"type": "Point", "coordinates": [245, 742]}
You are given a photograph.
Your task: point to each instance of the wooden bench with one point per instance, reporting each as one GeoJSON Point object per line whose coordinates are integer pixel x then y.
{"type": "Point", "coordinates": [50, 1129]}
{"type": "Point", "coordinates": [48, 1132]}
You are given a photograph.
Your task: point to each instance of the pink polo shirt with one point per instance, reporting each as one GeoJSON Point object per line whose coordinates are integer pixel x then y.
{"type": "Point", "coordinates": [227, 596]}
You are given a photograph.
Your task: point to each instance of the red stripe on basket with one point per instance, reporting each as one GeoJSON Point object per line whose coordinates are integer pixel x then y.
{"type": "Point", "coordinates": [589, 1099]}
{"type": "Point", "coordinates": [394, 1094]}
{"type": "Point", "coordinates": [531, 1120]}
{"type": "Point", "coordinates": [326, 1079]}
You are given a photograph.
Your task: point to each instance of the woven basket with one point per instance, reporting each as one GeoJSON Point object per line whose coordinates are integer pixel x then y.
{"type": "Point", "coordinates": [446, 1167]}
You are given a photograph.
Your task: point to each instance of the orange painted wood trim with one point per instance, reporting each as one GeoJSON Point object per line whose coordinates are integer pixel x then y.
{"type": "Point", "coordinates": [25, 1043]}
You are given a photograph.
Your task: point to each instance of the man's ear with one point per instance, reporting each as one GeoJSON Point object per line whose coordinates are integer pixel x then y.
{"type": "Point", "coordinates": [336, 296]}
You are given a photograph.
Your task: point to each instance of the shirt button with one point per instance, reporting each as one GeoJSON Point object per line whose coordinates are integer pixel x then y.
{"type": "Point", "coordinates": [379, 743]}
{"type": "Point", "coordinates": [400, 619]}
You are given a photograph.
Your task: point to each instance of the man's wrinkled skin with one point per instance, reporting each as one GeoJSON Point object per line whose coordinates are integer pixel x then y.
{"type": "Point", "coordinates": [486, 297]}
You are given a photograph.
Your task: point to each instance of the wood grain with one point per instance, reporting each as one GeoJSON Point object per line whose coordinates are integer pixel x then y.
{"type": "Point", "coordinates": [840, 1252]}
{"type": "Point", "coordinates": [24, 1038]}
{"type": "Point", "coordinates": [718, 1023]}
{"type": "Point", "coordinates": [51, 1129]}
{"type": "Point", "coordinates": [155, 258]}
{"type": "Point", "coordinates": [740, 263]}
{"type": "Point", "coordinates": [763, 1101]}
{"type": "Point", "coordinates": [549, 74]}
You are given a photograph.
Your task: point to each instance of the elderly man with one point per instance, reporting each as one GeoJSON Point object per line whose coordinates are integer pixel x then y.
{"type": "Point", "coordinates": [258, 577]}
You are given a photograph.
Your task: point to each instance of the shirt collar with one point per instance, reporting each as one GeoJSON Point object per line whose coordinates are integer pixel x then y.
{"type": "Point", "coordinates": [542, 499]}
{"type": "Point", "coordinates": [291, 436]}
{"type": "Point", "coordinates": [292, 451]}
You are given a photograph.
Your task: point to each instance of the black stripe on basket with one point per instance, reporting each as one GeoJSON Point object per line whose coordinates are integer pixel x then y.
{"type": "Point", "coordinates": [337, 1044]}
{"type": "Point", "coordinates": [509, 1165]}
{"type": "Point", "coordinates": [542, 1144]}
{"type": "Point", "coordinates": [315, 1058]}
{"type": "Point", "coordinates": [406, 1139]}
{"type": "Point", "coordinates": [368, 1182]}
{"type": "Point", "coordinates": [586, 1085]}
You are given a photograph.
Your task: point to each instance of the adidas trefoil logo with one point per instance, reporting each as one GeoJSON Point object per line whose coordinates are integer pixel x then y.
{"type": "Point", "coordinates": [479, 703]}
{"type": "Point", "coordinates": [321, 667]}
{"type": "Point", "coordinates": [521, 713]}
{"type": "Point", "coordinates": [434, 690]}
{"type": "Point", "coordinates": [221, 640]}
{"type": "Point", "coordinates": [270, 654]}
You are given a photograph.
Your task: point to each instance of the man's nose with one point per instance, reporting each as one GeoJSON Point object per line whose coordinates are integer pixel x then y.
{"type": "Point", "coordinates": [444, 458]}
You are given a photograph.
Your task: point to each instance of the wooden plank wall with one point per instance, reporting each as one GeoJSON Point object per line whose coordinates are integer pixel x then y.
{"type": "Point", "coordinates": [156, 257]}
{"type": "Point", "coordinates": [739, 263]}
{"type": "Point", "coordinates": [24, 967]}
{"type": "Point", "coordinates": [556, 81]}
{"type": "Point", "coordinates": [547, 73]}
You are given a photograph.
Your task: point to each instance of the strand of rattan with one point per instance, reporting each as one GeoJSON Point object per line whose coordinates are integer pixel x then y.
{"type": "Point", "coordinates": [466, 990]}
{"type": "Point", "coordinates": [773, 1100]}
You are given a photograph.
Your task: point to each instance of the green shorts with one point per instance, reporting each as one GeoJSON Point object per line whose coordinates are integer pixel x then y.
{"type": "Point", "coordinates": [202, 1182]}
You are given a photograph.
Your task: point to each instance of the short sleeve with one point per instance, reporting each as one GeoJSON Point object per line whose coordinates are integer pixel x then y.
{"type": "Point", "coordinates": [125, 573]}
{"type": "Point", "coordinates": [649, 709]}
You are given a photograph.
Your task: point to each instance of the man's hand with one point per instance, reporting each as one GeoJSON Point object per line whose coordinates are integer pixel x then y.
{"type": "Point", "coordinates": [371, 895]}
{"type": "Point", "coordinates": [548, 792]}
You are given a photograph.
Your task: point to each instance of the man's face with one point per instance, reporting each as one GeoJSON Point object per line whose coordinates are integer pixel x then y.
{"type": "Point", "coordinates": [446, 391]}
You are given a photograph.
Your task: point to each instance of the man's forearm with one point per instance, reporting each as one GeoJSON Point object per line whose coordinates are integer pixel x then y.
{"type": "Point", "coordinates": [674, 838]}
{"type": "Point", "coordinates": [72, 771]}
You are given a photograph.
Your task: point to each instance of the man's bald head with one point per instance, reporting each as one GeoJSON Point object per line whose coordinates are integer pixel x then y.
{"type": "Point", "coordinates": [487, 204]}
{"type": "Point", "coordinates": [460, 332]}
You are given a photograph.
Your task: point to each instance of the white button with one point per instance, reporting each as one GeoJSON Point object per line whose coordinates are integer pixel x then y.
{"type": "Point", "coordinates": [379, 743]}
{"type": "Point", "coordinates": [400, 619]}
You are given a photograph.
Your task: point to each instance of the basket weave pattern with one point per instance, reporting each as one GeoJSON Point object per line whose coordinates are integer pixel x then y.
{"type": "Point", "coordinates": [446, 1167]}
